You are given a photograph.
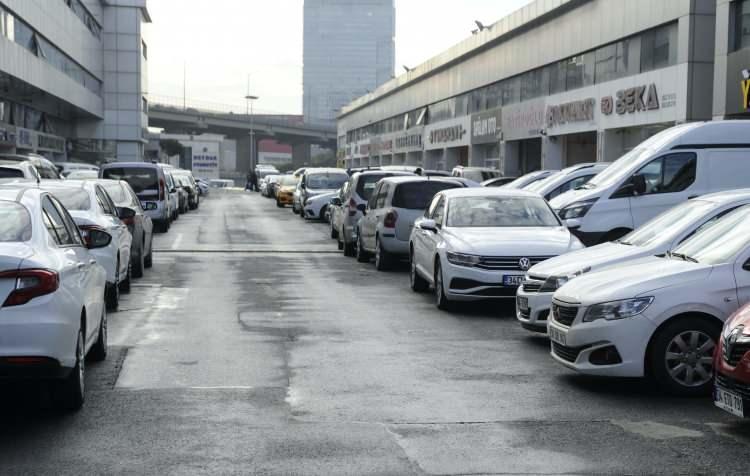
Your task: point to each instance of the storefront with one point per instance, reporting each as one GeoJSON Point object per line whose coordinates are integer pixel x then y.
{"type": "Point", "coordinates": [446, 144]}
{"type": "Point", "coordinates": [522, 127]}
{"type": "Point", "coordinates": [408, 148]}
{"type": "Point", "coordinates": [7, 138]}
{"type": "Point", "coordinates": [486, 134]}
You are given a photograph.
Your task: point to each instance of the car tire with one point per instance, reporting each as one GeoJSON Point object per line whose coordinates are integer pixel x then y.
{"type": "Point", "coordinates": [98, 352]}
{"type": "Point", "coordinates": [441, 300]}
{"type": "Point", "coordinates": [279, 204]}
{"type": "Point", "coordinates": [323, 216]}
{"type": "Point", "coordinates": [383, 259]}
{"type": "Point", "coordinates": [69, 393]}
{"type": "Point", "coordinates": [148, 261]}
{"type": "Point", "coordinates": [698, 356]}
{"type": "Point", "coordinates": [302, 215]}
{"type": "Point", "coordinates": [125, 283]}
{"type": "Point", "coordinates": [417, 282]}
{"type": "Point", "coordinates": [138, 264]}
{"type": "Point", "coordinates": [112, 297]}
{"type": "Point", "coordinates": [362, 255]}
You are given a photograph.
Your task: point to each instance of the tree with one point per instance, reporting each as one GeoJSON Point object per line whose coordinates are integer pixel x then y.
{"type": "Point", "coordinates": [171, 147]}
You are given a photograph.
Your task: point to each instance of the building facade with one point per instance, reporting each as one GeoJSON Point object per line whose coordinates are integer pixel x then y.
{"type": "Point", "coordinates": [554, 84]}
{"type": "Point", "coordinates": [73, 78]}
{"type": "Point", "coordinates": [349, 49]}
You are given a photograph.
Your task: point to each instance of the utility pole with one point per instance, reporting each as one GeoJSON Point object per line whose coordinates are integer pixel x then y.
{"type": "Point", "coordinates": [249, 110]}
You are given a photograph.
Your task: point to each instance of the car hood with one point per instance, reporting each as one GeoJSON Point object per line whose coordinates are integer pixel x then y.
{"type": "Point", "coordinates": [572, 196]}
{"type": "Point", "coordinates": [632, 280]}
{"type": "Point", "coordinates": [526, 241]}
{"type": "Point", "coordinates": [322, 197]}
{"type": "Point", "coordinates": [315, 193]}
{"type": "Point", "coordinates": [590, 259]}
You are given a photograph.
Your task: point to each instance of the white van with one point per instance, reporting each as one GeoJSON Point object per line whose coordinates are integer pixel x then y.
{"type": "Point", "coordinates": [678, 164]}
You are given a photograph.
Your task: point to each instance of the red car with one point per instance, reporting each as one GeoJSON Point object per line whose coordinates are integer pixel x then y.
{"type": "Point", "coordinates": [732, 365]}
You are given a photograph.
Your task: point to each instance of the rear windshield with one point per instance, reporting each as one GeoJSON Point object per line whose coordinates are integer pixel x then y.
{"type": "Point", "coordinates": [418, 195]}
{"type": "Point", "coordinates": [6, 172]}
{"type": "Point", "coordinates": [288, 181]}
{"type": "Point", "coordinates": [480, 175]}
{"type": "Point", "coordinates": [15, 222]}
{"type": "Point", "coordinates": [326, 181]}
{"type": "Point", "coordinates": [140, 178]}
{"type": "Point", "coordinates": [73, 199]}
{"type": "Point", "coordinates": [366, 185]}
{"type": "Point", "coordinates": [117, 194]}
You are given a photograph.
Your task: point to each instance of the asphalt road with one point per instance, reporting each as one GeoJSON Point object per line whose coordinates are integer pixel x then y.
{"type": "Point", "coordinates": [254, 347]}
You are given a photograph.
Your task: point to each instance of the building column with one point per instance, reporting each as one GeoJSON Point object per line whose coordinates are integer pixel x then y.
{"type": "Point", "coordinates": [510, 164]}
{"type": "Point", "coordinates": [609, 145]}
{"type": "Point", "coordinates": [432, 159]}
{"type": "Point", "coordinates": [244, 161]}
{"type": "Point", "coordinates": [301, 155]}
{"type": "Point", "coordinates": [552, 153]}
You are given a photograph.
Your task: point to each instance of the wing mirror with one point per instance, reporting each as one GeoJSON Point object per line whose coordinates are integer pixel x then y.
{"type": "Point", "coordinates": [639, 184]}
{"type": "Point", "coordinates": [746, 266]}
{"type": "Point", "coordinates": [336, 202]}
{"type": "Point", "coordinates": [96, 238]}
{"type": "Point", "coordinates": [428, 225]}
{"type": "Point", "coordinates": [125, 213]}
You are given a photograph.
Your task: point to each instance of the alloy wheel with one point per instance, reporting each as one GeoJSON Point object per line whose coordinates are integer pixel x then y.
{"type": "Point", "coordinates": [689, 358]}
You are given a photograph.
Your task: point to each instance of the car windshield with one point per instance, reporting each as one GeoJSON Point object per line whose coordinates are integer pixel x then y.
{"type": "Point", "coordinates": [719, 243]}
{"type": "Point", "coordinates": [140, 178]}
{"type": "Point", "coordinates": [288, 181]}
{"type": "Point", "coordinates": [665, 227]}
{"type": "Point", "coordinates": [525, 180]}
{"type": "Point", "coordinates": [73, 198]}
{"type": "Point", "coordinates": [117, 193]}
{"type": "Point", "coordinates": [366, 184]}
{"type": "Point", "coordinates": [540, 185]}
{"type": "Point", "coordinates": [493, 212]}
{"type": "Point", "coordinates": [480, 175]}
{"type": "Point", "coordinates": [326, 181]}
{"type": "Point", "coordinates": [8, 172]}
{"type": "Point", "coordinates": [418, 195]}
{"type": "Point", "coordinates": [15, 222]}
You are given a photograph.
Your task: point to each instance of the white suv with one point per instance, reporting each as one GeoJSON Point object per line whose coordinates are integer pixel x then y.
{"type": "Point", "coordinates": [659, 316]}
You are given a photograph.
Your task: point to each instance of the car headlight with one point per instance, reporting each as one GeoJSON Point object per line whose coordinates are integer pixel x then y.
{"type": "Point", "coordinates": [617, 309]}
{"type": "Point", "coordinates": [577, 210]}
{"type": "Point", "coordinates": [553, 283]}
{"type": "Point", "coordinates": [460, 259]}
{"type": "Point", "coordinates": [308, 202]}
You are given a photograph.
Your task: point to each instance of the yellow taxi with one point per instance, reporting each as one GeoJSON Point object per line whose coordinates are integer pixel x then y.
{"type": "Point", "coordinates": [285, 192]}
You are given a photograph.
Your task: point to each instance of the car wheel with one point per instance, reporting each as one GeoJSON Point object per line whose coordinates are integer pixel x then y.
{"type": "Point", "coordinates": [69, 393]}
{"type": "Point", "coordinates": [362, 255]}
{"type": "Point", "coordinates": [334, 233]}
{"type": "Point", "coordinates": [418, 283]}
{"type": "Point", "coordinates": [148, 261]}
{"type": "Point", "coordinates": [681, 356]}
{"type": "Point", "coordinates": [98, 352]}
{"type": "Point", "coordinates": [302, 214]}
{"type": "Point", "coordinates": [441, 300]}
{"type": "Point", "coordinates": [323, 216]}
{"type": "Point", "coordinates": [112, 296]}
{"type": "Point", "coordinates": [383, 259]}
{"type": "Point", "coordinates": [125, 284]}
{"type": "Point", "coordinates": [279, 204]}
{"type": "Point", "coordinates": [139, 263]}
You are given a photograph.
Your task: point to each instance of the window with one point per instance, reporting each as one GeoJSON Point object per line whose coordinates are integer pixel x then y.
{"type": "Point", "coordinates": [556, 73]}
{"type": "Point", "coordinates": [469, 212]}
{"type": "Point", "coordinates": [382, 196]}
{"type": "Point", "coordinates": [143, 180]}
{"type": "Point", "coordinates": [579, 71]}
{"type": "Point", "coordinates": [742, 22]}
{"type": "Point", "coordinates": [55, 223]}
{"type": "Point", "coordinates": [418, 195]}
{"type": "Point", "coordinates": [73, 230]}
{"type": "Point", "coordinates": [438, 213]}
{"type": "Point", "coordinates": [374, 197]}
{"type": "Point", "coordinates": [511, 90]}
{"type": "Point", "coordinates": [73, 198]}
{"type": "Point", "coordinates": [669, 174]}
{"type": "Point", "coordinates": [10, 173]}
{"type": "Point", "coordinates": [535, 84]}
{"type": "Point", "coordinates": [659, 48]}
{"type": "Point", "coordinates": [571, 185]}
{"type": "Point", "coordinates": [105, 203]}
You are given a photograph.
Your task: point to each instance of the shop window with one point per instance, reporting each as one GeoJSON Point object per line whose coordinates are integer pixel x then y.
{"type": "Point", "coordinates": [535, 84]}
{"type": "Point", "coordinates": [659, 48]}
{"type": "Point", "coordinates": [556, 73]}
{"type": "Point", "coordinates": [742, 22]}
{"type": "Point", "coordinates": [579, 71]}
{"type": "Point", "coordinates": [511, 91]}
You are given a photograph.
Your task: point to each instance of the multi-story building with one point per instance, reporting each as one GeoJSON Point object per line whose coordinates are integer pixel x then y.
{"type": "Point", "coordinates": [73, 78]}
{"type": "Point", "coordinates": [557, 83]}
{"type": "Point", "coordinates": [349, 50]}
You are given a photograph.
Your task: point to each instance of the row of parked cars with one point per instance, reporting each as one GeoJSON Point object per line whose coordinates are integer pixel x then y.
{"type": "Point", "coordinates": [638, 268]}
{"type": "Point", "coordinates": [72, 238]}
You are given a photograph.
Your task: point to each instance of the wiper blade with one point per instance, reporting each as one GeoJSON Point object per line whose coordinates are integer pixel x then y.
{"type": "Point", "coordinates": [683, 257]}
{"type": "Point", "coordinates": [626, 243]}
{"type": "Point", "coordinates": [586, 186]}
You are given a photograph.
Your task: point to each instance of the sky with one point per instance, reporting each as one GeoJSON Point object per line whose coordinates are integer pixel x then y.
{"type": "Point", "coordinates": [217, 45]}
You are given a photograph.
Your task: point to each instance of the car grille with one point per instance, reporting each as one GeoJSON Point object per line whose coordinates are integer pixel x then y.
{"type": "Point", "coordinates": [569, 354]}
{"type": "Point", "coordinates": [508, 263]}
{"type": "Point", "coordinates": [532, 286]}
{"type": "Point", "coordinates": [741, 388]}
{"type": "Point", "coordinates": [565, 315]}
{"type": "Point", "coordinates": [738, 351]}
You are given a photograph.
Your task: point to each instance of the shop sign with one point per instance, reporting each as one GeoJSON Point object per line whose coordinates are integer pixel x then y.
{"type": "Point", "coordinates": [486, 127]}
{"type": "Point", "coordinates": [454, 134]}
{"type": "Point", "coordinates": [206, 161]}
{"type": "Point", "coordinates": [571, 112]}
{"type": "Point", "coordinates": [524, 120]}
{"type": "Point", "coordinates": [24, 138]}
{"type": "Point", "coordinates": [51, 143]}
{"type": "Point", "coordinates": [411, 141]}
{"type": "Point", "coordinates": [632, 100]}
{"type": "Point", "coordinates": [745, 84]}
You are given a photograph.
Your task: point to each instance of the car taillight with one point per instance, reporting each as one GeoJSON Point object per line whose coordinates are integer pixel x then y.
{"type": "Point", "coordinates": [352, 207]}
{"type": "Point", "coordinates": [85, 229]}
{"type": "Point", "coordinates": [162, 189]}
{"type": "Point", "coordinates": [390, 219]}
{"type": "Point", "coordinates": [30, 283]}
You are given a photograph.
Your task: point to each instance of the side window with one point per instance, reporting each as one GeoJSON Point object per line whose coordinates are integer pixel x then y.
{"type": "Point", "coordinates": [669, 174]}
{"type": "Point", "coordinates": [439, 213]}
{"type": "Point", "coordinates": [73, 230]}
{"type": "Point", "coordinates": [572, 185]}
{"type": "Point", "coordinates": [382, 196]}
{"type": "Point", "coordinates": [371, 204]}
{"type": "Point", "coordinates": [135, 203]}
{"type": "Point", "coordinates": [430, 211]}
{"type": "Point", "coordinates": [55, 223]}
{"type": "Point", "coordinates": [104, 203]}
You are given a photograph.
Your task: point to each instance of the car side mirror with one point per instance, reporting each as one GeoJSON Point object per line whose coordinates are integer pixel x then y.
{"type": "Point", "coordinates": [639, 184]}
{"type": "Point", "coordinates": [362, 208]}
{"type": "Point", "coordinates": [125, 213]}
{"type": "Point", "coordinates": [746, 266]}
{"type": "Point", "coordinates": [96, 238]}
{"type": "Point", "coordinates": [336, 201]}
{"type": "Point", "coordinates": [173, 190]}
{"type": "Point", "coordinates": [429, 225]}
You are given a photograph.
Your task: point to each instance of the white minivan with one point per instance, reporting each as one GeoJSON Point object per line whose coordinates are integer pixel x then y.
{"type": "Point", "coordinates": [678, 164]}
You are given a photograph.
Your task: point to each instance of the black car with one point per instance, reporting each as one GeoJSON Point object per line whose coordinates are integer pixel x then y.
{"type": "Point", "coordinates": [140, 226]}
{"type": "Point", "coordinates": [184, 179]}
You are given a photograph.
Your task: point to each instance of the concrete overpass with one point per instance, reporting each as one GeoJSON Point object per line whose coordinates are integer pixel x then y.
{"type": "Point", "coordinates": [289, 130]}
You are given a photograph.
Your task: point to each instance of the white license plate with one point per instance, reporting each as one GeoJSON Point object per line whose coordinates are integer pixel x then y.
{"type": "Point", "coordinates": [730, 402]}
{"type": "Point", "coordinates": [523, 303]}
{"type": "Point", "coordinates": [558, 336]}
{"type": "Point", "coordinates": [512, 280]}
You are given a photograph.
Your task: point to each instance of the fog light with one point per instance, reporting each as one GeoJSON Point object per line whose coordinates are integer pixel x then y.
{"type": "Point", "coordinates": [605, 356]}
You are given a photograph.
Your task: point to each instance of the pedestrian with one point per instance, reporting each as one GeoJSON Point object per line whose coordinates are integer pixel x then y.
{"type": "Point", "coordinates": [252, 181]}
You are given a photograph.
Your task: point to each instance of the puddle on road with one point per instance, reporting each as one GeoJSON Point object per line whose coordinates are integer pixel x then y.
{"type": "Point", "coordinates": [657, 431]}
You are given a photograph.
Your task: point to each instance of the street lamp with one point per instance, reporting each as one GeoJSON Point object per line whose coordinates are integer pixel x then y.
{"type": "Point", "coordinates": [249, 98]}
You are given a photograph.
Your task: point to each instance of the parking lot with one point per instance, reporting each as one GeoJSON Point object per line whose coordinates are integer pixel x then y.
{"type": "Point", "coordinates": [254, 346]}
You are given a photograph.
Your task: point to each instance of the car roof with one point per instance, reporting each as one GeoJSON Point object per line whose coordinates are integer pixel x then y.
{"type": "Point", "coordinates": [130, 164]}
{"type": "Point", "coordinates": [726, 196]}
{"type": "Point", "coordinates": [392, 173]}
{"type": "Point", "coordinates": [489, 192]}
{"type": "Point", "coordinates": [485, 169]}
{"type": "Point", "coordinates": [419, 178]}
{"type": "Point", "coordinates": [325, 171]}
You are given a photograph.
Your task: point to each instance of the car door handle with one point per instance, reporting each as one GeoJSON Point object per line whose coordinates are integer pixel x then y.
{"type": "Point", "coordinates": [693, 196]}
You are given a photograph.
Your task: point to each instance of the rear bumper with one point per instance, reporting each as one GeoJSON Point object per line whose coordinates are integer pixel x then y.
{"type": "Point", "coordinates": [394, 246]}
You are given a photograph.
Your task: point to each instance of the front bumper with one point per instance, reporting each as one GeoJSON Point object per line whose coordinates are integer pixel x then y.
{"type": "Point", "coordinates": [285, 198]}
{"type": "Point", "coordinates": [534, 317]}
{"type": "Point", "coordinates": [472, 284]}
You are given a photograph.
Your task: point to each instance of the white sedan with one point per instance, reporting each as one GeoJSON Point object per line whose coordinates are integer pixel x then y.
{"type": "Point", "coordinates": [659, 316]}
{"type": "Point", "coordinates": [52, 311]}
{"type": "Point", "coordinates": [318, 206]}
{"type": "Point", "coordinates": [92, 208]}
{"type": "Point", "coordinates": [477, 243]}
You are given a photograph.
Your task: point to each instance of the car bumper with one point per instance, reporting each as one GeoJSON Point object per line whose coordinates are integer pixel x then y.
{"type": "Point", "coordinates": [394, 246]}
{"type": "Point", "coordinates": [159, 214]}
{"type": "Point", "coordinates": [472, 284]}
{"type": "Point", "coordinates": [584, 342]}
{"type": "Point", "coordinates": [285, 199]}
{"type": "Point", "coordinates": [107, 258]}
{"type": "Point", "coordinates": [534, 317]}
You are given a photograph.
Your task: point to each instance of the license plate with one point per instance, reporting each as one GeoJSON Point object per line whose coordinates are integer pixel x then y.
{"type": "Point", "coordinates": [512, 280]}
{"type": "Point", "coordinates": [523, 303]}
{"type": "Point", "coordinates": [729, 402]}
{"type": "Point", "coordinates": [558, 336]}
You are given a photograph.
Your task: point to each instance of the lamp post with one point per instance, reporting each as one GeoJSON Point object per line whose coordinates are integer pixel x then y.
{"type": "Point", "coordinates": [249, 98]}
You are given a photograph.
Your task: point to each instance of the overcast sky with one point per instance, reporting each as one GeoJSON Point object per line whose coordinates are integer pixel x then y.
{"type": "Point", "coordinates": [222, 41]}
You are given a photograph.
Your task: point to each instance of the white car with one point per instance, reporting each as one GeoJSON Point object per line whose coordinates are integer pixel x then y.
{"type": "Point", "coordinates": [83, 175]}
{"type": "Point", "coordinates": [659, 235]}
{"type": "Point", "coordinates": [93, 209]}
{"type": "Point", "coordinates": [18, 171]}
{"type": "Point", "coordinates": [317, 206]}
{"type": "Point", "coordinates": [528, 179]}
{"type": "Point", "coordinates": [66, 168]}
{"type": "Point", "coordinates": [659, 316]}
{"type": "Point", "coordinates": [52, 311]}
{"type": "Point", "coordinates": [477, 243]}
{"type": "Point", "coordinates": [318, 182]}
{"type": "Point", "coordinates": [566, 179]}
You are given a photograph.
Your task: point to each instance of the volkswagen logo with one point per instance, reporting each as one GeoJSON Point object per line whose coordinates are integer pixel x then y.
{"type": "Point", "coordinates": [524, 264]}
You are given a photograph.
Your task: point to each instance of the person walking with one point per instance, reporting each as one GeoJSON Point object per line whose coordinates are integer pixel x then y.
{"type": "Point", "coordinates": [252, 181]}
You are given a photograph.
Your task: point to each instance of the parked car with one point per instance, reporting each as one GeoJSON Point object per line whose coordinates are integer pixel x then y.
{"type": "Point", "coordinates": [45, 168]}
{"type": "Point", "coordinates": [269, 183]}
{"type": "Point", "coordinates": [385, 227]}
{"type": "Point", "coordinates": [345, 211]}
{"type": "Point", "coordinates": [177, 187]}
{"type": "Point", "coordinates": [498, 182]}
{"type": "Point", "coordinates": [149, 182]}
{"type": "Point", "coordinates": [18, 171]}
{"type": "Point", "coordinates": [66, 168]}
{"type": "Point", "coordinates": [566, 179]}
{"type": "Point", "coordinates": [140, 226]}
{"type": "Point", "coordinates": [732, 382]}
{"type": "Point", "coordinates": [659, 316]}
{"type": "Point", "coordinates": [185, 180]}
{"type": "Point", "coordinates": [83, 175]}
{"type": "Point", "coordinates": [317, 182]}
{"type": "Point", "coordinates": [318, 207]}
{"type": "Point", "coordinates": [296, 198]}
{"type": "Point", "coordinates": [659, 235]}
{"type": "Point", "coordinates": [528, 179]}
{"type": "Point", "coordinates": [477, 174]}
{"type": "Point", "coordinates": [285, 194]}
{"type": "Point", "coordinates": [685, 161]}
{"type": "Point", "coordinates": [92, 209]}
{"type": "Point", "coordinates": [204, 186]}
{"type": "Point", "coordinates": [52, 294]}
{"type": "Point", "coordinates": [477, 243]}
